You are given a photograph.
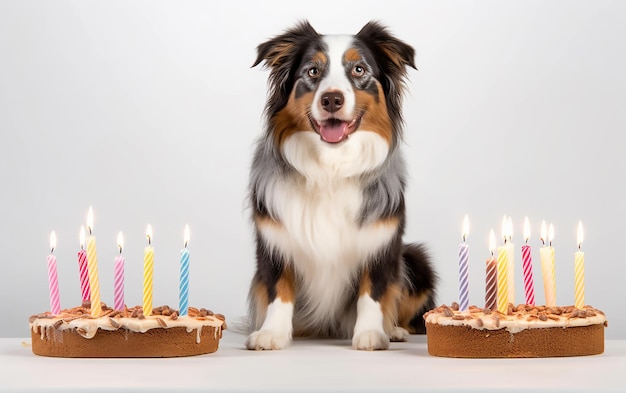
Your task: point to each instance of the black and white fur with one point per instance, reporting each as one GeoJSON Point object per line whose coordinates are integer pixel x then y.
{"type": "Point", "coordinates": [327, 194]}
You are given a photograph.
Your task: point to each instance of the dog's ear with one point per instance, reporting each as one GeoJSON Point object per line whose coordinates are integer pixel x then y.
{"type": "Point", "coordinates": [381, 42]}
{"type": "Point", "coordinates": [283, 49]}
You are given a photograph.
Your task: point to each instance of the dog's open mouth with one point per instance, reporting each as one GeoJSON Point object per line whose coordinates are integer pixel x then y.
{"type": "Point", "coordinates": [335, 130]}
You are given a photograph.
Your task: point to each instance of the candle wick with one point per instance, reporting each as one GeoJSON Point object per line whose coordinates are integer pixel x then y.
{"type": "Point", "coordinates": [52, 250]}
{"type": "Point", "coordinates": [120, 250]}
{"type": "Point", "coordinates": [185, 244]}
{"type": "Point", "coordinates": [149, 241]}
{"type": "Point", "coordinates": [89, 229]}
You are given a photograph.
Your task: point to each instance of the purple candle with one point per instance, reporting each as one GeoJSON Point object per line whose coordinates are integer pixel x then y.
{"type": "Point", "coordinates": [464, 268]}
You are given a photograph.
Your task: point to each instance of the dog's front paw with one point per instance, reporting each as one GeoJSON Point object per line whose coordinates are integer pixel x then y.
{"type": "Point", "coordinates": [399, 334]}
{"type": "Point", "coordinates": [268, 339]}
{"type": "Point", "coordinates": [370, 340]}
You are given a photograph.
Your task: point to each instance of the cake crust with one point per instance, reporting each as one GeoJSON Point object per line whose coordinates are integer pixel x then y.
{"type": "Point", "coordinates": [524, 332]}
{"type": "Point", "coordinates": [126, 333]}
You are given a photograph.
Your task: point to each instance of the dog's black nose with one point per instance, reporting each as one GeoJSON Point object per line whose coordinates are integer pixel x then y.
{"type": "Point", "coordinates": [332, 101]}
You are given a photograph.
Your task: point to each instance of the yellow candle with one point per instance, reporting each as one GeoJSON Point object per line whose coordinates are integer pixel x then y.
{"type": "Point", "coordinates": [92, 268]}
{"type": "Point", "coordinates": [503, 272]}
{"type": "Point", "coordinates": [148, 270]}
{"type": "Point", "coordinates": [546, 255]}
{"type": "Point", "coordinates": [579, 270]}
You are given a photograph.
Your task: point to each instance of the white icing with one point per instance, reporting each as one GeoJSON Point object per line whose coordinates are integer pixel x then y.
{"type": "Point", "coordinates": [88, 327]}
{"type": "Point", "coordinates": [513, 323]}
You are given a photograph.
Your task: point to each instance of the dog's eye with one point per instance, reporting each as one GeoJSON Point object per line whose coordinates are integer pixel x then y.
{"type": "Point", "coordinates": [314, 72]}
{"type": "Point", "coordinates": [358, 70]}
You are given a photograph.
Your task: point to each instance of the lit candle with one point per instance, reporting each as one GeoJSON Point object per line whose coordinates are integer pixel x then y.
{"type": "Point", "coordinates": [491, 281]}
{"type": "Point", "coordinates": [53, 281]}
{"type": "Point", "coordinates": [463, 268]}
{"type": "Point", "coordinates": [579, 270]}
{"type": "Point", "coordinates": [527, 266]}
{"type": "Point", "coordinates": [546, 255]}
{"type": "Point", "coordinates": [503, 272]}
{"type": "Point", "coordinates": [83, 273]}
{"type": "Point", "coordinates": [148, 271]}
{"type": "Point", "coordinates": [184, 275]}
{"type": "Point", "coordinates": [510, 258]}
{"type": "Point", "coordinates": [92, 267]}
{"type": "Point", "coordinates": [118, 276]}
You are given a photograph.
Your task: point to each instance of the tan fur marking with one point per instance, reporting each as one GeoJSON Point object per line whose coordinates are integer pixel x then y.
{"type": "Point", "coordinates": [375, 118]}
{"type": "Point", "coordinates": [285, 286]}
{"type": "Point", "coordinates": [266, 221]}
{"type": "Point", "coordinates": [293, 117]}
{"type": "Point", "coordinates": [409, 306]}
{"type": "Point", "coordinates": [352, 55]}
{"type": "Point", "coordinates": [279, 52]}
{"type": "Point", "coordinates": [319, 57]}
{"type": "Point", "coordinates": [260, 299]}
{"type": "Point", "coordinates": [365, 286]}
{"type": "Point", "coordinates": [389, 305]}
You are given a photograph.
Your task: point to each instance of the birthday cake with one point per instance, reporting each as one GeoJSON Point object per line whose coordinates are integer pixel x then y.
{"type": "Point", "coordinates": [524, 332]}
{"type": "Point", "coordinates": [127, 333]}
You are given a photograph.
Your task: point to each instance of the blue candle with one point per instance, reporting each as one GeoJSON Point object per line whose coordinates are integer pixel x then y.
{"type": "Point", "coordinates": [184, 276]}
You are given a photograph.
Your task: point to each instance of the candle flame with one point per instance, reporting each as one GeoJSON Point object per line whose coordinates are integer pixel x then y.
{"type": "Point", "coordinates": [504, 228]}
{"type": "Point", "coordinates": [81, 237]}
{"type": "Point", "coordinates": [550, 233]}
{"type": "Point", "coordinates": [465, 227]}
{"type": "Point", "coordinates": [492, 242]}
{"type": "Point", "coordinates": [90, 220]}
{"type": "Point", "coordinates": [579, 237]}
{"type": "Point", "coordinates": [526, 229]}
{"type": "Point", "coordinates": [186, 235]}
{"type": "Point", "coordinates": [544, 232]}
{"type": "Point", "coordinates": [53, 241]}
{"type": "Point", "coordinates": [509, 228]}
{"type": "Point", "coordinates": [149, 233]}
{"type": "Point", "coordinates": [120, 241]}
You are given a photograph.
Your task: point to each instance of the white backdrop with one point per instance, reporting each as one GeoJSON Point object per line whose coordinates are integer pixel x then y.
{"type": "Point", "coordinates": [148, 111]}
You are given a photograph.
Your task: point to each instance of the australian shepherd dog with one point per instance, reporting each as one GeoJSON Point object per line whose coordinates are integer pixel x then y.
{"type": "Point", "coordinates": [327, 194]}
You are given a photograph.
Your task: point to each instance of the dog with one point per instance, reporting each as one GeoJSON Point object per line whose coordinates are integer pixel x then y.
{"type": "Point", "coordinates": [327, 194]}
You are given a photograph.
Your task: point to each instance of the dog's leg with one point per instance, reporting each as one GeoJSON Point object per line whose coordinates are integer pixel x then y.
{"type": "Point", "coordinates": [376, 312]}
{"type": "Point", "coordinates": [274, 296]}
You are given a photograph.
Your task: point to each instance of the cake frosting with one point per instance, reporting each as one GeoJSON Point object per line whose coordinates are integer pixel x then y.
{"type": "Point", "coordinates": [523, 331]}
{"type": "Point", "coordinates": [50, 333]}
{"type": "Point", "coordinates": [517, 318]}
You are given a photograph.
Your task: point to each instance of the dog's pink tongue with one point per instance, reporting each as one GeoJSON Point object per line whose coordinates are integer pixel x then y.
{"type": "Point", "coordinates": [333, 130]}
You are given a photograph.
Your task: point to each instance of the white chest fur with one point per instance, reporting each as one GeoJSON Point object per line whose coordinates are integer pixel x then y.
{"type": "Point", "coordinates": [318, 214]}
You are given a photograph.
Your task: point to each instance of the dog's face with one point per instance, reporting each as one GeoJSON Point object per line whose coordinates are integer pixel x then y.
{"type": "Point", "coordinates": [335, 85]}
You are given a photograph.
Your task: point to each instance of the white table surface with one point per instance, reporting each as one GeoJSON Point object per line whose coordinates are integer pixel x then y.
{"type": "Point", "coordinates": [311, 366]}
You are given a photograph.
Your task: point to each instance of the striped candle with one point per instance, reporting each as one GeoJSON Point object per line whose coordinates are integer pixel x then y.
{"type": "Point", "coordinates": [82, 268]}
{"type": "Point", "coordinates": [184, 275]}
{"type": "Point", "coordinates": [92, 267]}
{"type": "Point", "coordinates": [527, 267]}
{"type": "Point", "coordinates": [118, 276]}
{"type": "Point", "coordinates": [491, 281]}
{"type": "Point", "coordinates": [464, 268]}
{"type": "Point", "coordinates": [148, 271]}
{"type": "Point", "coordinates": [53, 281]}
{"type": "Point", "coordinates": [503, 270]}
{"type": "Point", "coordinates": [579, 271]}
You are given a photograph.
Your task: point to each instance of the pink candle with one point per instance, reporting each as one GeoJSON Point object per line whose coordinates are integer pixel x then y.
{"type": "Point", "coordinates": [527, 266]}
{"type": "Point", "coordinates": [118, 291]}
{"type": "Point", "coordinates": [82, 268]}
{"type": "Point", "coordinates": [55, 302]}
